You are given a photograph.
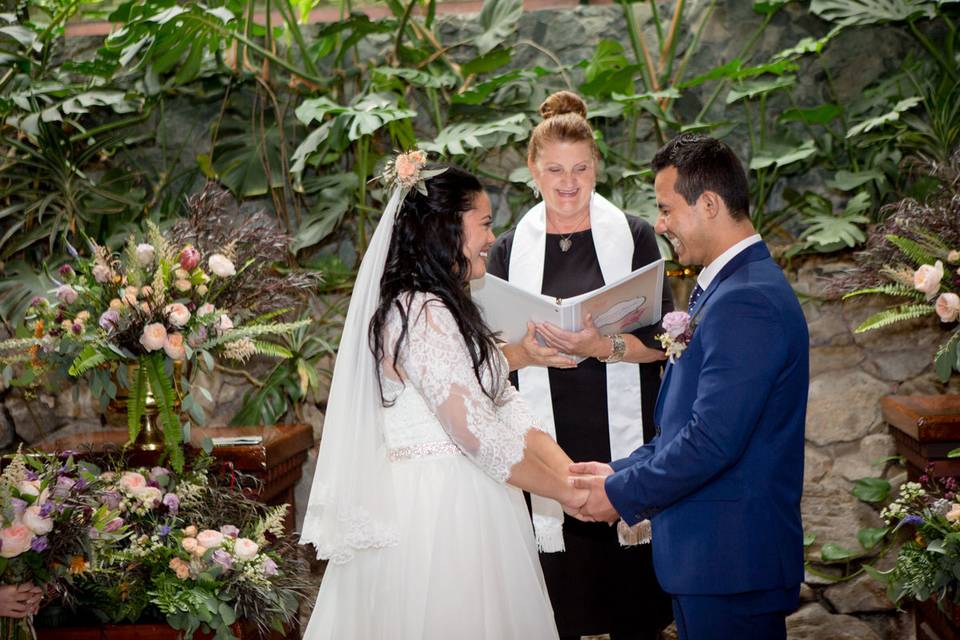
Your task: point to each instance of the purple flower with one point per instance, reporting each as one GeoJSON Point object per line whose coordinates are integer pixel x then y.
{"type": "Point", "coordinates": [39, 544]}
{"type": "Point", "coordinates": [80, 484]}
{"type": "Point", "coordinates": [37, 301]}
{"type": "Point", "coordinates": [111, 499]}
{"type": "Point", "coordinates": [230, 531]}
{"type": "Point", "coordinates": [113, 525]}
{"type": "Point", "coordinates": [269, 567]}
{"type": "Point", "coordinates": [109, 320]}
{"type": "Point", "coordinates": [66, 453]}
{"type": "Point", "coordinates": [19, 506]}
{"type": "Point", "coordinates": [66, 271]}
{"type": "Point", "coordinates": [164, 531]}
{"type": "Point", "coordinates": [676, 323]}
{"type": "Point", "coordinates": [223, 559]}
{"type": "Point", "coordinates": [913, 519]}
{"type": "Point", "coordinates": [197, 338]}
{"type": "Point", "coordinates": [924, 479]}
{"type": "Point", "coordinates": [31, 475]}
{"type": "Point", "coordinates": [172, 502]}
{"type": "Point", "coordinates": [67, 294]}
{"type": "Point", "coordinates": [64, 485]}
{"type": "Point", "coordinates": [45, 509]}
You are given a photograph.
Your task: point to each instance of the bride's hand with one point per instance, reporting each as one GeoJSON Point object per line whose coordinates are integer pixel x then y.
{"type": "Point", "coordinates": [574, 499]}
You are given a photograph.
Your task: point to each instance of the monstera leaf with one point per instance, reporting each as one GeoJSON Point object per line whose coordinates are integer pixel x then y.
{"type": "Point", "coordinates": [365, 115]}
{"type": "Point", "coordinates": [499, 20]}
{"type": "Point", "coordinates": [461, 138]}
{"type": "Point", "coordinates": [886, 118]}
{"type": "Point", "coordinates": [860, 12]}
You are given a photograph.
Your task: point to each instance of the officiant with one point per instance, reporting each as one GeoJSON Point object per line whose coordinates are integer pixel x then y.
{"type": "Point", "coordinates": [599, 578]}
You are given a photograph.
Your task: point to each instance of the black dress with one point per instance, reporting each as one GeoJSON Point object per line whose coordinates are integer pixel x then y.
{"type": "Point", "coordinates": [596, 586]}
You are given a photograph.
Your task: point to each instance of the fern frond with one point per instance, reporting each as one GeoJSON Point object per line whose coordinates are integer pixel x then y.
{"type": "Point", "coordinates": [137, 401]}
{"type": "Point", "coordinates": [917, 253]}
{"type": "Point", "coordinates": [888, 317]}
{"type": "Point", "coordinates": [165, 396]}
{"type": "Point", "coordinates": [272, 350]}
{"type": "Point", "coordinates": [934, 242]}
{"type": "Point", "coordinates": [252, 331]}
{"type": "Point", "coordinates": [88, 359]}
{"type": "Point", "coordinates": [270, 315]}
{"type": "Point", "coordinates": [898, 290]}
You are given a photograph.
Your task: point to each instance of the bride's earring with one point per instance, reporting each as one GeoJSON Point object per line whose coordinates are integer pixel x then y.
{"type": "Point", "coordinates": [536, 191]}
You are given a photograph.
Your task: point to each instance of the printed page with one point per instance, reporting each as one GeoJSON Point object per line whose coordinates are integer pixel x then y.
{"type": "Point", "coordinates": [625, 305]}
{"type": "Point", "coordinates": [506, 308]}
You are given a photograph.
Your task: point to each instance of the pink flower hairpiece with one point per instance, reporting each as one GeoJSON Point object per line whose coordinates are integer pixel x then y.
{"type": "Point", "coordinates": [406, 171]}
{"type": "Point", "coordinates": [678, 327]}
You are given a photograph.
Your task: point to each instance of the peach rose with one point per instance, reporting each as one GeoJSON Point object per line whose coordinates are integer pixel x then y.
{"type": "Point", "coordinates": [14, 540]}
{"type": "Point", "coordinates": [189, 544]}
{"type": "Point", "coordinates": [223, 323]}
{"type": "Point", "coordinates": [953, 257]}
{"type": "Point", "coordinates": [221, 265]}
{"type": "Point", "coordinates": [190, 531]}
{"type": "Point", "coordinates": [210, 539]}
{"type": "Point", "coordinates": [954, 513]}
{"type": "Point", "coordinates": [927, 279]}
{"type": "Point", "coordinates": [177, 314]}
{"type": "Point", "coordinates": [948, 307]}
{"type": "Point", "coordinates": [35, 522]}
{"type": "Point", "coordinates": [154, 336]}
{"type": "Point", "coordinates": [181, 568]}
{"type": "Point", "coordinates": [406, 167]}
{"type": "Point", "coordinates": [116, 304]}
{"type": "Point", "coordinates": [173, 346]}
{"type": "Point", "coordinates": [132, 481]}
{"type": "Point", "coordinates": [130, 295]}
{"type": "Point", "coordinates": [245, 549]}
{"type": "Point", "coordinates": [102, 273]}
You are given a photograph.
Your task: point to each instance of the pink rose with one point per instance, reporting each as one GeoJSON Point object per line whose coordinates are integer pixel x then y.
{"type": "Point", "coordinates": [102, 273]}
{"type": "Point", "coordinates": [206, 309]}
{"type": "Point", "coordinates": [190, 531]}
{"type": "Point", "coordinates": [154, 336]}
{"type": "Point", "coordinates": [223, 323]}
{"type": "Point", "coordinates": [130, 295]}
{"type": "Point", "coordinates": [35, 522]}
{"type": "Point", "coordinates": [189, 258]}
{"type": "Point", "coordinates": [229, 531]}
{"type": "Point", "coordinates": [245, 549]}
{"type": "Point", "coordinates": [173, 346]}
{"type": "Point", "coordinates": [132, 481]}
{"type": "Point", "coordinates": [676, 323]}
{"type": "Point", "coordinates": [953, 257]}
{"type": "Point", "coordinates": [14, 540]}
{"type": "Point", "coordinates": [29, 487]}
{"type": "Point", "coordinates": [210, 539]}
{"type": "Point", "coordinates": [948, 307]}
{"type": "Point", "coordinates": [67, 294]}
{"type": "Point", "coordinates": [927, 279]}
{"type": "Point", "coordinates": [406, 167]}
{"type": "Point", "coordinates": [177, 314]}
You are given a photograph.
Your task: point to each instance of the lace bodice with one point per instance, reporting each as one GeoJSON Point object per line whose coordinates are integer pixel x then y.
{"type": "Point", "coordinates": [438, 398]}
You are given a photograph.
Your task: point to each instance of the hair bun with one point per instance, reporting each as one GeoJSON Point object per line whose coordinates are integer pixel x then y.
{"type": "Point", "coordinates": [563, 102]}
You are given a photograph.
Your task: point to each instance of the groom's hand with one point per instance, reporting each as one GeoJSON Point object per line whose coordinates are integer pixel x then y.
{"type": "Point", "coordinates": [591, 476]}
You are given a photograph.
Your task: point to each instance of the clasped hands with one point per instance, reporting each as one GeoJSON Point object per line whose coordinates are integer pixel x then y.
{"type": "Point", "coordinates": [19, 600]}
{"type": "Point", "coordinates": [588, 499]}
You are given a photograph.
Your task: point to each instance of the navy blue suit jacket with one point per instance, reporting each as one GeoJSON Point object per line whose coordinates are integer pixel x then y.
{"type": "Point", "coordinates": [722, 480]}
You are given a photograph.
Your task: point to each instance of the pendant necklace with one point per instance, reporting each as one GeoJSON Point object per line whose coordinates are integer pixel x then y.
{"type": "Point", "coordinates": [565, 241]}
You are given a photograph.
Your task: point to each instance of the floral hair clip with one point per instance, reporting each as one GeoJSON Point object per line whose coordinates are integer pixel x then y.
{"type": "Point", "coordinates": [406, 171]}
{"type": "Point", "coordinates": [679, 327]}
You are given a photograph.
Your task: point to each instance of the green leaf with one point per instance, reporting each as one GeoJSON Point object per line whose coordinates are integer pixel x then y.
{"type": "Point", "coordinates": [478, 93]}
{"type": "Point", "coordinates": [848, 180]}
{"type": "Point", "coordinates": [886, 118]}
{"type": "Point", "coordinates": [416, 78]}
{"type": "Point", "coordinates": [871, 489]}
{"type": "Point", "coordinates": [888, 317]}
{"type": "Point", "coordinates": [831, 552]}
{"type": "Point", "coordinates": [809, 539]}
{"type": "Point", "coordinates": [462, 137]}
{"type": "Point", "coordinates": [227, 614]}
{"type": "Point", "coordinates": [781, 156]}
{"type": "Point", "coordinates": [870, 537]}
{"type": "Point", "coordinates": [499, 20]}
{"type": "Point", "coordinates": [724, 71]}
{"type": "Point", "coordinates": [88, 359]}
{"type": "Point", "coordinates": [814, 115]}
{"type": "Point", "coordinates": [137, 401]}
{"type": "Point", "coordinates": [164, 395]}
{"type": "Point", "coordinates": [912, 249]}
{"type": "Point", "coordinates": [861, 12]}
{"type": "Point", "coordinates": [754, 88]}
{"type": "Point", "coordinates": [948, 357]}
{"type": "Point", "coordinates": [487, 62]}
{"type": "Point", "coordinates": [765, 7]}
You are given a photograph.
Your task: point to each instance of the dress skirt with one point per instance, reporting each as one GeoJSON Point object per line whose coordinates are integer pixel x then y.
{"type": "Point", "coordinates": [466, 565]}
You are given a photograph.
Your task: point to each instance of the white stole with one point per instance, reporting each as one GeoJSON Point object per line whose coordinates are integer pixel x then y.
{"type": "Point", "coordinates": [614, 245]}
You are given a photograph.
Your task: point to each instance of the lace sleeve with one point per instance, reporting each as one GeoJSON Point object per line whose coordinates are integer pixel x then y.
{"type": "Point", "coordinates": [435, 361]}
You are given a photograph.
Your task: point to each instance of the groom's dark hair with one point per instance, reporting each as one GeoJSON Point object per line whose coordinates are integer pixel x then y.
{"type": "Point", "coordinates": [706, 164]}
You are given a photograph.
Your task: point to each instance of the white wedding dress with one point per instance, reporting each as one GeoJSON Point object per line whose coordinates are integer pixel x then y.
{"type": "Point", "coordinates": [466, 564]}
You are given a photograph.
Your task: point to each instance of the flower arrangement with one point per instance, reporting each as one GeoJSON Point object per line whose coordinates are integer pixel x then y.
{"type": "Point", "coordinates": [927, 563]}
{"type": "Point", "coordinates": [407, 171]}
{"type": "Point", "coordinates": [914, 255]}
{"type": "Point", "coordinates": [192, 296]}
{"type": "Point", "coordinates": [678, 329]}
{"type": "Point", "coordinates": [135, 544]}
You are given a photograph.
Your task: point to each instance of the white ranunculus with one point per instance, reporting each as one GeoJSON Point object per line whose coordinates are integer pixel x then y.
{"type": "Point", "coordinates": [221, 266]}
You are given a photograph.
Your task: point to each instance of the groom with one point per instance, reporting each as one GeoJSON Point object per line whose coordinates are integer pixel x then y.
{"type": "Point", "coordinates": [722, 481]}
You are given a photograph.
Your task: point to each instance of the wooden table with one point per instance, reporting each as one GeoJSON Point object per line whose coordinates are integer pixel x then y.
{"type": "Point", "coordinates": [277, 462]}
{"type": "Point", "coordinates": [926, 429]}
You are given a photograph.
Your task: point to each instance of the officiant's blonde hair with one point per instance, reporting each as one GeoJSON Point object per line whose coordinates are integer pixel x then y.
{"type": "Point", "coordinates": [564, 120]}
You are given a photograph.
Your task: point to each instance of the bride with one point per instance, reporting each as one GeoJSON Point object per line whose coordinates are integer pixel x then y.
{"type": "Point", "coordinates": [417, 498]}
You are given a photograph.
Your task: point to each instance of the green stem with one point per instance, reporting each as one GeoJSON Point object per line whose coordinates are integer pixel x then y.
{"type": "Point", "coordinates": [634, 33]}
{"type": "Point", "coordinates": [294, 27]}
{"type": "Point", "coordinates": [404, 19]}
{"type": "Point", "coordinates": [362, 148]}
{"type": "Point", "coordinates": [944, 64]}
{"type": "Point", "coordinates": [656, 22]}
{"type": "Point", "coordinates": [109, 126]}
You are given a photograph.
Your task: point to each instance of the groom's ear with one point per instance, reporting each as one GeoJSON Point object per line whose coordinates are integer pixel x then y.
{"type": "Point", "coordinates": [712, 203]}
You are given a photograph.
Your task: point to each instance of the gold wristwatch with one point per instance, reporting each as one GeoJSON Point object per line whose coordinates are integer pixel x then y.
{"type": "Point", "coordinates": [619, 349]}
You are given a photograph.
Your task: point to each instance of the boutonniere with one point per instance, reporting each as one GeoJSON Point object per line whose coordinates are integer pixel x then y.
{"type": "Point", "coordinates": [679, 327]}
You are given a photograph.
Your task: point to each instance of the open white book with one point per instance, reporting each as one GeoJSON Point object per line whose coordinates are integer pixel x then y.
{"type": "Point", "coordinates": [619, 307]}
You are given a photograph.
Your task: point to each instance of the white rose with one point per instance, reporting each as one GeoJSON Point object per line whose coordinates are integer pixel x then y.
{"type": "Point", "coordinates": [35, 522]}
{"type": "Point", "coordinates": [245, 549]}
{"type": "Point", "coordinates": [927, 279]}
{"type": "Point", "coordinates": [948, 307]}
{"type": "Point", "coordinates": [154, 336]}
{"type": "Point", "coordinates": [177, 314]}
{"type": "Point", "coordinates": [221, 266]}
{"type": "Point", "coordinates": [145, 253]}
{"type": "Point", "coordinates": [148, 495]}
{"type": "Point", "coordinates": [29, 487]}
{"type": "Point", "coordinates": [102, 273]}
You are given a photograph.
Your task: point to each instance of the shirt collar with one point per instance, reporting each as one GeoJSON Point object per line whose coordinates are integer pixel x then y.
{"type": "Point", "coordinates": [710, 271]}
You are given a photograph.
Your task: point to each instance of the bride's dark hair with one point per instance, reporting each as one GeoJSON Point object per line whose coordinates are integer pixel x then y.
{"type": "Point", "coordinates": [426, 254]}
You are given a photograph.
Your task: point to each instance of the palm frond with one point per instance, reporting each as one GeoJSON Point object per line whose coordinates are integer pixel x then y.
{"type": "Point", "coordinates": [888, 317]}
